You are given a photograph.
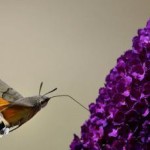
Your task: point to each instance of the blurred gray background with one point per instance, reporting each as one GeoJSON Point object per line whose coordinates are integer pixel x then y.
{"type": "Point", "coordinates": [69, 44]}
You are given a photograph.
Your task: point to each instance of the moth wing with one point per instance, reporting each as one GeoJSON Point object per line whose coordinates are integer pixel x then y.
{"type": "Point", "coordinates": [8, 93]}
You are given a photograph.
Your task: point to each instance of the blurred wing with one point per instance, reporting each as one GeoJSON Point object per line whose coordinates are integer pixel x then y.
{"type": "Point", "coordinates": [8, 93]}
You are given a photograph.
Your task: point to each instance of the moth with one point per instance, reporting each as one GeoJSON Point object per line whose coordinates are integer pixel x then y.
{"type": "Point", "coordinates": [15, 110]}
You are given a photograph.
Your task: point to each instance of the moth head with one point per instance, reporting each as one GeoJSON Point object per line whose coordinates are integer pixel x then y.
{"type": "Point", "coordinates": [43, 99]}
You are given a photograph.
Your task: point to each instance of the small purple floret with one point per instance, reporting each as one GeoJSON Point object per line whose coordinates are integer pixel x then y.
{"type": "Point", "coordinates": [120, 117]}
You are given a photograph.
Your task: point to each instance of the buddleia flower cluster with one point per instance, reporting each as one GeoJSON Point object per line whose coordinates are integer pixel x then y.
{"type": "Point", "coordinates": [120, 117]}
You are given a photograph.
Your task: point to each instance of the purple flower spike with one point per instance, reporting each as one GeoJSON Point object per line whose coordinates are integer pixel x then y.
{"type": "Point", "coordinates": [120, 117]}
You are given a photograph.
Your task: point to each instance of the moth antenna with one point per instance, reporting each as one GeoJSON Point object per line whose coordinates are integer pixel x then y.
{"type": "Point", "coordinates": [72, 99]}
{"type": "Point", "coordinates": [50, 91]}
{"type": "Point", "coordinates": [40, 88]}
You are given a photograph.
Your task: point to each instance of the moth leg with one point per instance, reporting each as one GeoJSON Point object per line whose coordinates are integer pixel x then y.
{"type": "Point", "coordinates": [14, 128]}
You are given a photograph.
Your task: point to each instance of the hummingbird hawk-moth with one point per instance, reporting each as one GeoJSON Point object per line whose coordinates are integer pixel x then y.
{"type": "Point", "coordinates": [15, 110]}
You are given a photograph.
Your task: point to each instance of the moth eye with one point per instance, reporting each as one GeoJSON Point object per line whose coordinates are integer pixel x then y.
{"type": "Point", "coordinates": [47, 99]}
{"type": "Point", "coordinates": [44, 102]}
